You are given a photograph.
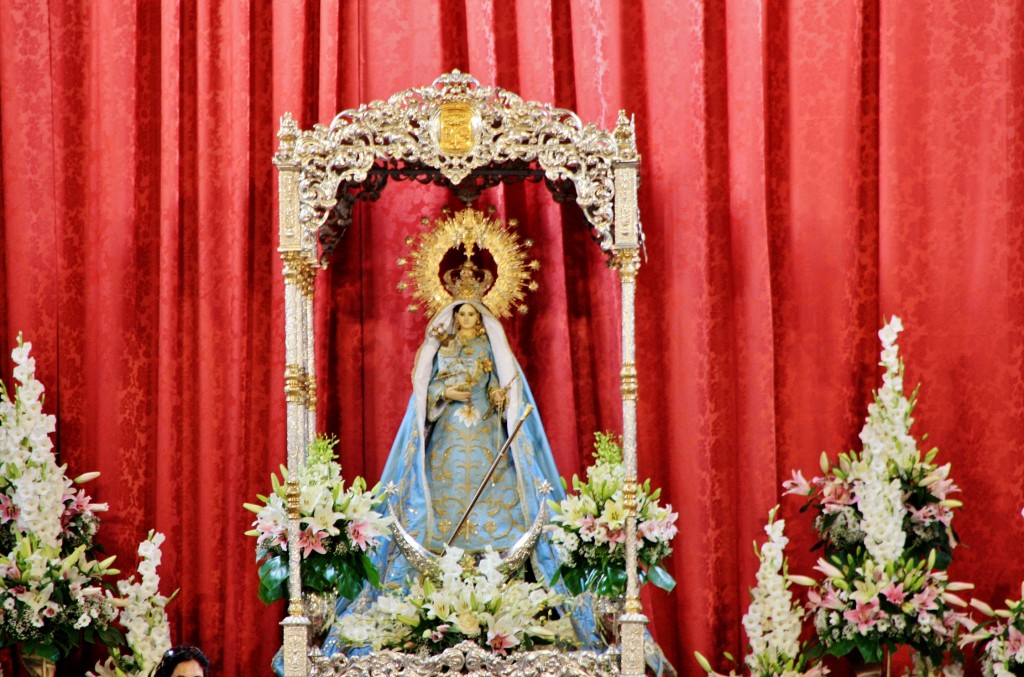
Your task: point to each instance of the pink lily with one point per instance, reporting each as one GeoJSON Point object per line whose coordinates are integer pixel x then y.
{"type": "Point", "coordinates": [588, 528]}
{"type": "Point", "coordinates": [439, 633]}
{"type": "Point", "coordinates": [828, 569]}
{"type": "Point", "coordinates": [925, 600]}
{"type": "Point", "coordinates": [500, 641]}
{"type": "Point", "coordinates": [8, 511]}
{"type": "Point", "coordinates": [835, 496]}
{"type": "Point", "coordinates": [797, 485]}
{"type": "Point", "coordinates": [358, 531]}
{"type": "Point", "coordinates": [864, 616]}
{"type": "Point", "coordinates": [829, 601]}
{"type": "Point", "coordinates": [615, 537]}
{"type": "Point", "coordinates": [311, 541]}
{"type": "Point", "coordinates": [894, 594]}
{"type": "Point", "coordinates": [1014, 642]}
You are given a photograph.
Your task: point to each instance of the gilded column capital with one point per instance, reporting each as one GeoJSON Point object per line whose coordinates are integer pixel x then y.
{"type": "Point", "coordinates": [298, 271]}
{"type": "Point", "coordinates": [627, 262]}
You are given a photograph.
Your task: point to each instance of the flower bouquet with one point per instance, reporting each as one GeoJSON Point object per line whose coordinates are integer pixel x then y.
{"type": "Point", "coordinates": [1001, 638]}
{"type": "Point", "coordinates": [589, 530]}
{"type": "Point", "coordinates": [338, 525]}
{"type": "Point", "coordinates": [773, 621]}
{"type": "Point", "coordinates": [875, 608]}
{"type": "Point", "coordinates": [468, 602]}
{"type": "Point", "coordinates": [52, 592]}
{"type": "Point", "coordinates": [884, 518]}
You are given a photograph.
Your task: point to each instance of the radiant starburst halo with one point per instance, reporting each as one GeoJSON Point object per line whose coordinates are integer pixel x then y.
{"type": "Point", "coordinates": [469, 230]}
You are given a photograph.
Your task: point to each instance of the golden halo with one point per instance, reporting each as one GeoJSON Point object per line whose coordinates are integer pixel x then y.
{"type": "Point", "coordinates": [469, 229]}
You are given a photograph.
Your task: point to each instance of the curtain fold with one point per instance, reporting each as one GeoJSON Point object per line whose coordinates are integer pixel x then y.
{"type": "Point", "coordinates": [808, 169]}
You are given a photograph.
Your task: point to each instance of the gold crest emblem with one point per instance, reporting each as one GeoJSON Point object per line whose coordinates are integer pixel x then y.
{"type": "Point", "coordinates": [455, 127]}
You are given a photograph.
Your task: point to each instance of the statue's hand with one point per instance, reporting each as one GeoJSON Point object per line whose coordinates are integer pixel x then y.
{"type": "Point", "coordinates": [498, 397]}
{"type": "Point", "coordinates": [456, 394]}
{"type": "Point", "coordinates": [439, 332]}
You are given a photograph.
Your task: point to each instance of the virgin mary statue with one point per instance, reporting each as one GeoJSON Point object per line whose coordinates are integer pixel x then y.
{"type": "Point", "coordinates": [469, 398]}
{"type": "Point", "coordinates": [469, 393]}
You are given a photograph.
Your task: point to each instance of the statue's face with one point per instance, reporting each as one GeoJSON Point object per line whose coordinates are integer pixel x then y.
{"type": "Point", "coordinates": [467, 317]}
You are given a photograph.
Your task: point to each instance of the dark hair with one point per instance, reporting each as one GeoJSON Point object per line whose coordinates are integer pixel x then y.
{"type": "Point", "coordinates": [178, 655]}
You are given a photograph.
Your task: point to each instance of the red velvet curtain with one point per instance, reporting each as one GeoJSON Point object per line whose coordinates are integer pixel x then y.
{"type": "Point", "coordinates": [809, 168]}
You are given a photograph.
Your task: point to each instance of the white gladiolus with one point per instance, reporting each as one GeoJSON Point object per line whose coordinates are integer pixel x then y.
{"type": "Point", "coordinates": [773, 621]}
{"type": "Point", "coordinates": [38, 483]}
{"type": "Point", "coordinates": [47, 580]}
{"type": "Point", "coordinates": [887, 443]}
{"type": "Point", "coordinates": [142, 615]}
{"type": "Point", "coordinates": [881, 504]}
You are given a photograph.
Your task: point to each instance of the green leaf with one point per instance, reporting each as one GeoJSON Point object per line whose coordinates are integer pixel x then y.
{"type": "Point", "coordinates": [369, 570]}
{"type": "Point", "coordinates": [870, 650]}
{"type": "Point", "coordinates": [841, 648]}
{"type": "Point", "coordinates": [572, 577]}
{"type": "Point", "coordinates": [331, 574]}
{"type": "Point", "coordinates": [611, 584]}
{"type": "Point", "coordinates": [661, 578]}
{"type": "Point", "coordinates": [942, 559]}
{"type": "Point", "coordinates": [273, 577]}
{"type": "Point", "coordinates": [319, 574]}
{"type": "Point", "coordinates": [270, 594]}
{"type": "Point", "coordinates": [110, 636]}
{"type": "Point", "coordinates": [47, 651]}
{"type": "Point", "coordinates": [349, 583]}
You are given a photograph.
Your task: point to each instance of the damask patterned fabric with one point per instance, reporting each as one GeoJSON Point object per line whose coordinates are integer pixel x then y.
{"type": "Point", "coordinates": [808, 169]}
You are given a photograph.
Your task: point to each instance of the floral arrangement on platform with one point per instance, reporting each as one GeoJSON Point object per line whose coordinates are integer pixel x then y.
{"type": "Point", "coordinates": [142, 616]}
{"type": "Point", "coordinates": [1001, 638]}
{"type": "Point", "coordinates": [884, 517]}
{"type": "Point", "coordinates": [52, 592]}
{"type": "Point", "coordinates": [875, 609]}
{"type": "Point", "coordinates": [339, 527]}
{"type": "Point", "coordinates": [469, 602]}
{"type": "Point", "coordinates": [773, 622]}
{"type": "Point", "coordinates": [589, 530]}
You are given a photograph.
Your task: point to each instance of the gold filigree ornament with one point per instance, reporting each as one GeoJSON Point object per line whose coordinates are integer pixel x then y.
{"type": "Point", "coordinates": [470, 231]}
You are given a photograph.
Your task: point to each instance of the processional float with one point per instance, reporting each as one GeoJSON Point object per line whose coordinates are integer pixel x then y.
{"type": "Point", "coordinates": [457, 134]}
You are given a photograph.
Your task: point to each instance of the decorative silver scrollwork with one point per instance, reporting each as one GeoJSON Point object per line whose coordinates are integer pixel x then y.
{"type": "Point", "coordinates": [468, 658]}
{"type": "Point", "coordinates": [455, 126]}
